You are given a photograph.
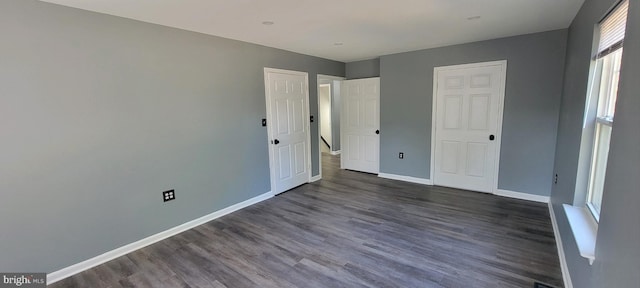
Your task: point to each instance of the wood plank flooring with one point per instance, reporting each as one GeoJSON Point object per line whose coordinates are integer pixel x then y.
{"type": "Point", "coordinates": [351, 230]}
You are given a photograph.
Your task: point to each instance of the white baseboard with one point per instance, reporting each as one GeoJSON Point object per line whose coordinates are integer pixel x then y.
{"type": "Point", "coordinates": [108, 256]}
{"type": "Point", "coordinates": [315, 178]}
{"type": "Point", "coordinates": [335, 152]}
{"type": "Point", "coordinates": [522, 196]}
{"type": "Point", "coordinates": [563, 260]}
{"type": "Point", "coordinates": [405, 178]}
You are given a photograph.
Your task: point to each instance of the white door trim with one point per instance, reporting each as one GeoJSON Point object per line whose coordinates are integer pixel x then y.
{"type": "Point", "coordinates": [268, 108]}
{"type": "Point", "coordinates": [501, 94]}
{"type": "Point", "coordinates": [323, 77]}
{"type": "Point", "coordinates": [330, 77]}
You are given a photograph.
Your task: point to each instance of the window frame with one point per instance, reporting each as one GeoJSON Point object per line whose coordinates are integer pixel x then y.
{"type": "Point", "coordinates": [604, 83]}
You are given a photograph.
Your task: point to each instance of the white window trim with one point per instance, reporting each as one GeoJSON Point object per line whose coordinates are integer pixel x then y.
{"type": "Point", "coordinates": [584, 229]}
{"type": "Point", "coordinates": [594, 213]}
{"type": "Point", "coordinates": [605, 121]}
{"type": "Point", "coordinates": [582, 216]}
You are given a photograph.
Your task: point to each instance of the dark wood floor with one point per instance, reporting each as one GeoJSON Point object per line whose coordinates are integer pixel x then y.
{"type": "Point", "coordinates": [351, 230]}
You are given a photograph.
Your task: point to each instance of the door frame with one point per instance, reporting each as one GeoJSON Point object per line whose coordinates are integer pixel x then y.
{"type": "Point", "coordinates": [269, 126]}
{"type": "Point", "coordinates": [330, 78]}
{"type": "Point", "coordinates": [501, 96]}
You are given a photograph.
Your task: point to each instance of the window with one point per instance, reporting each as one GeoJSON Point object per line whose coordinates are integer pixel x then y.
{"type": "Point", "coordinates": [608, 63]}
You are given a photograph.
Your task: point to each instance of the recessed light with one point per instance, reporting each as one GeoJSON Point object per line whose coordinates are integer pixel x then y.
{"type": "Point", "coordinates": [338, 44]}
{"type": "Point", "coordinates": [267, 23]}
{"type": "Point", "coordinates": [473, 18]}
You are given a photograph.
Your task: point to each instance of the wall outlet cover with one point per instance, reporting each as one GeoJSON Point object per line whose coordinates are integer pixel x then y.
{"type": "Point", "coordinates": [169, 195]}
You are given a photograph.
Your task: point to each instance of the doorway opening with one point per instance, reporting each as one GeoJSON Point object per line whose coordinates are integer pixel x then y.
{"type": "Point", "coordinates": [324, 97]}
{"type": "Point", "coordinates": [329, 115]}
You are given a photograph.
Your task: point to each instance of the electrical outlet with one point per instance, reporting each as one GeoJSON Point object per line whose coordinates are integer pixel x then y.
{"type": "Point", "coordinates": [555, 179]}
{"type": "Point", "coordinates": [401, 155]}
{"type": "Point", "coordinates": [169, 195]}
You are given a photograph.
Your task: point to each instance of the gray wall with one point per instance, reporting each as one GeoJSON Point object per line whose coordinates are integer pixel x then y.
{"type": "Point", "coordinates": [532, 100]}
{"type": "Point", "coordinates": [99, 114]}
{"type": "Point", "coordinates": [618, 243]}
{"type": "Point", "coordinates": [363, 69]}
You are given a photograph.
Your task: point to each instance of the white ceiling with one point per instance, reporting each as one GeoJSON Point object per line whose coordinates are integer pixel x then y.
{"type": "Point", "coordinates": [367, 28]}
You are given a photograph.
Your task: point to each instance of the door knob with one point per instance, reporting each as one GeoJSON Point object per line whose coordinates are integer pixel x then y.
{"type": "Point", "coordinates": [491, 137]}
{"type": "Point", "coordinates": [377, 131]}
{"type": "Point", "coordinates": [276, 141]}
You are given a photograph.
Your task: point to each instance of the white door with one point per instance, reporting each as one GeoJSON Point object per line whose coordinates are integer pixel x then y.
{"type": "Point", "coordinates": [288, 125]}
{"type": "Point", "coordinates": [467, 111]}
{"type": "Point", "coordinates": [360, 124]}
